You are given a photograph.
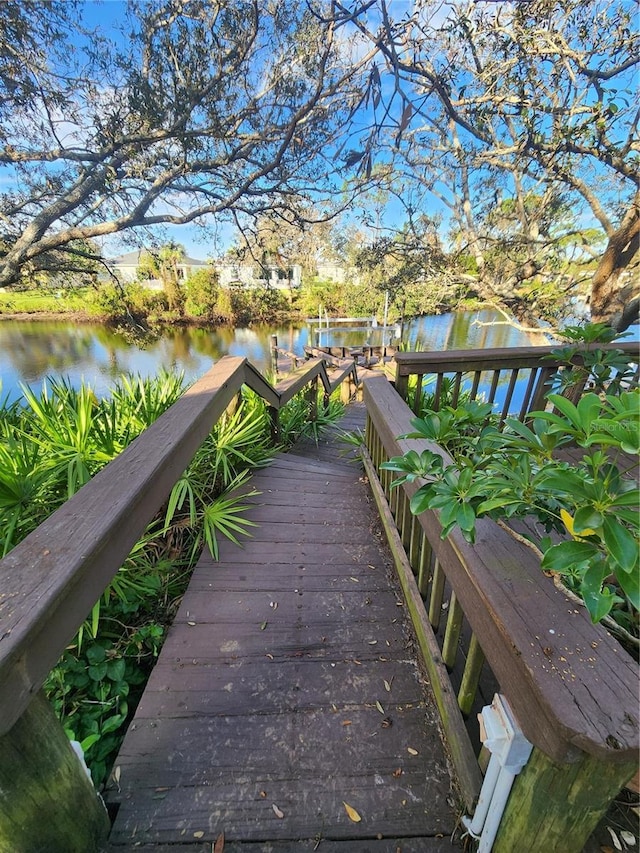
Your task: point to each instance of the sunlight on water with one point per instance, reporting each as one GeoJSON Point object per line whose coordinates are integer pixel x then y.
{"type": "Point", "coordinates": [30, 351]}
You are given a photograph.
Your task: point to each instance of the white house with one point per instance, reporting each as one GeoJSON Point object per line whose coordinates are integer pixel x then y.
{"type": "Point", "coordinates": [126, 267]}
{"type": "Point", "coordinates": [229, 273]}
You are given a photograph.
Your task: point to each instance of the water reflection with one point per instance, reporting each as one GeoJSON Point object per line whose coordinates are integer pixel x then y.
{"type": "Point", "coordinates": [30, 351]}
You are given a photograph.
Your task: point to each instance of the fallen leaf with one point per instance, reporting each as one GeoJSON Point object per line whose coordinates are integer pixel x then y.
{"type": "Point", "coordinates": [351, 812]}
{"type": "Point", "coordinates": [346, 722]}
{"type": "Point", "coordinates": [199, 834]}
{"type": "Point", "coordinates": [412, 751]}
{"type": "Point", "coordinates": [273, 604]}
{"type": "Point", "coordinates": [277, 811]}
{"type": "Point", "coordinates": [218, 847]}
{"type": "Point", "coordinates": [387, 686]}
{"type": "Point", "coordinates": [387, 723]}
{"type": "Point", "coordinates": [606, 849]}
{"type": "Point", "coordinates": [263, 626]}
{"type": "Point", "coordinates": [373, 642]}
{"type": "Point", "coordinates": [269, 656]}
{"type": "Point", "coordinates": [355, 580]}
{"type": "Point", "coordinates": [263, 794]}
{"type": "Point", "coordinates": [191, 623]}
{"type": "Point", "coordinates": [397, 773]}
{"type": "Point", "coordinates": [628, 837]}
{"type": "Point", "coordinates": [379, 707]}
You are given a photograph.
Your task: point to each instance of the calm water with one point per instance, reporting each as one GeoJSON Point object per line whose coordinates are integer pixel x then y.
{"type": "Point", "coordinates": [31, 351]}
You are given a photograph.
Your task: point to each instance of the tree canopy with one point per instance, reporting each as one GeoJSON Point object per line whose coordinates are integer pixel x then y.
{"type": "Point", "coordinates": [518, 119]}
{"type": "Point", "coordinates": [486, 105]}
{"type": "Point", "coordinates": [194, 109]}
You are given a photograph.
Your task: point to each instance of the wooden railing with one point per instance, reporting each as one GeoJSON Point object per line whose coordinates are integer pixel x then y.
{"type": "Point", "coordinates": [514, 379]}
{"type": "Point", "coordinates": [367, 354]}
{"type": "Point", "coordinates": [51, 580]}
{"type": "Point", "coordinates": [486, 613]}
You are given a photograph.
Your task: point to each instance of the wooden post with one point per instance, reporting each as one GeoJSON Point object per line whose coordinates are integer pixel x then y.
{"type": "Point", "coordinates": [274, 353]}
{"type": "Point", "coordinates": [554, 808]}
{"type": "Point", "coordinates": [47, 802]}
{"type": "Point", "coordinates": [274, 421]}
{"type": "Point", "coordinates": [312, 399]}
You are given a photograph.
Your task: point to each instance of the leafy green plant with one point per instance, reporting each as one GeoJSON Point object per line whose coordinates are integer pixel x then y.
{"type": "Point", "coordinates": [596, 368]}
{"type": "Point", "coordinates": [514, 472]}
{"type": "Point", "coordinates": [54, 442]}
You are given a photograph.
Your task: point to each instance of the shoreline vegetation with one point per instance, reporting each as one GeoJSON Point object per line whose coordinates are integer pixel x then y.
{"type": "Point", "coordinates": [135, 306]}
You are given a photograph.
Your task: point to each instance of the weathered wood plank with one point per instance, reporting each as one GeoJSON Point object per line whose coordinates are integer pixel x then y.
{"type": "Point", "coordinates": [267, 692]}
{"type": "Point", "coordinates": [569, 683]}
{"type": "Point", "coordinates": [246, 686]}
{"type": "Point", "coordinates": [318, 576]}
{"type": "Point", "coordinates": [50, 581]}
{"type": "Point", "coordinates": [362, 845]}
{"type": "Point", "coordinates": [309, 804]}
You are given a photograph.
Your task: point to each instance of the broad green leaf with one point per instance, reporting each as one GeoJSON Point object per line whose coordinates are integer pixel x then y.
{"type": "Point", "coordinates": [564, 557]}
{"type": "Point", "coordinates": [598, 603]}
{"type": "Point", "coordinates": [420, 500]}
{"type": "Point", "coordinates": [465, 517]}
{"type": "Point", "coordinates": [586, 520]}
{"type": "Point", "coordinates": [630, 585]}
{"type": "Point", "coordinates": [622, 546]}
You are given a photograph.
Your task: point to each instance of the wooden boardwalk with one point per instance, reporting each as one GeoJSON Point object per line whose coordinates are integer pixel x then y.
{"type": "Point", "coordinates": [287, 687]}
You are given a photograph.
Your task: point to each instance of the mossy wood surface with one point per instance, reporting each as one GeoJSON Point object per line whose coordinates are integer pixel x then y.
{"type": "Point", "coordinates": [554, 808]}
{"type": "Point", "coordinates": [47, 803]}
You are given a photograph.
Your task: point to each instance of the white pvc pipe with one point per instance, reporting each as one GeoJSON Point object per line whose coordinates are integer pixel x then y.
{"type": "Point", "coordinates": [475, 825]}
{"type": "Point", "coordinates": [498, 803]}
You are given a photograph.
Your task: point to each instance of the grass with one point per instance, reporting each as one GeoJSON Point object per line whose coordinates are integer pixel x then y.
{"type": "Point", "coordinates": [46, 302]}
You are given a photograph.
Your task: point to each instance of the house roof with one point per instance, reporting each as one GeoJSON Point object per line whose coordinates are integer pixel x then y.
{"type": "Point", "coordinates": [132, 259]}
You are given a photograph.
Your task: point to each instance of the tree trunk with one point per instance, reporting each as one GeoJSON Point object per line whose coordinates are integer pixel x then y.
{"type": "Point", "coordinates": [615, 295]}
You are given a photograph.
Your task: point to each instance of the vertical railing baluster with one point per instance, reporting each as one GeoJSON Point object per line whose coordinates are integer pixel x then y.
{"type": "Point", "coordinates": [438, 392]}
{"type": "Point", "coordinates": [527, 394]}
{"type": "Point", "coordinates": [494, 386]}
{"type": "Point", "coordinates": [456, 389]}
{"type": "Point", "coordinates": [417, 399]}
{"type": "Point", "coordinates": [470, 676]}
{"type": "Point", "coordinates": [452, 632]}
{"type": "Point", "coordinates": [424, 565]}
{"type": "Point", "coordinates": [507, 400]}
{"type": "Point", "coordinates": [437, 593]}
{"type": "Point", "coordinates": [414, 543]}
{"type": "Point", "coordinates": [474, 385]}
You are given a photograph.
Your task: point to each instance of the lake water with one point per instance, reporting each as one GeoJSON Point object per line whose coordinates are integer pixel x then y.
{"type": "Point", "coordinates": [31, 351]}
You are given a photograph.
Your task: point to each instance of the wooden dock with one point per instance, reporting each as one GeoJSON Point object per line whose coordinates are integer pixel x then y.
{"type": "Point", "coordinates": [286, 701]}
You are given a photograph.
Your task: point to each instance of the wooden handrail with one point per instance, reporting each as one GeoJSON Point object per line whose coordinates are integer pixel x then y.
{"type": "Point", "coordinates": [50, 581]}
{"type": "Point", "coordinates": [410, 363]}
{"type": "Point", "coordinates": [569, 683]}
{"type": "Point", "coordinates": [524, 373]}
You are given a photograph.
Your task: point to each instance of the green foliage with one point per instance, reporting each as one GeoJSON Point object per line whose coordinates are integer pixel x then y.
{"type": "Point", "coordinates": [597, 368]}
{"type": "Point", "coordinates": [202, 294]}
{"type": "Point", "coordinates": [295, 422]}
{"type": "Point", "coordinates": [44, 300]}
{"type": "Point", "coordinates": [513, 472]}
{"type": "Point", "coordinates": [122, 303]}
{"type": "Point", "coordinates": [53, 443]}
{"type": "Point", "coordinates": [256, 304]}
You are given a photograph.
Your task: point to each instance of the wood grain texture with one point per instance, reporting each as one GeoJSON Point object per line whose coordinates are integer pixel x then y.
{"type": "Point", "coordinates": [289, 679]}
{"type": "Point", "coordinates": [570, 684]}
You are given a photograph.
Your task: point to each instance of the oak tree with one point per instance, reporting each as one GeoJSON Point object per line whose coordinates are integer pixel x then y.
{"type": "Point", "coordinates": [192, 111]}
